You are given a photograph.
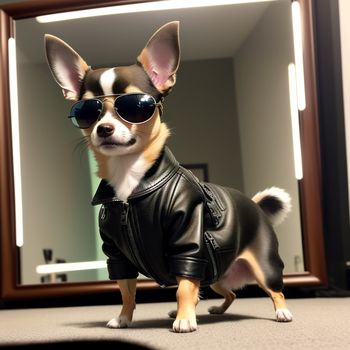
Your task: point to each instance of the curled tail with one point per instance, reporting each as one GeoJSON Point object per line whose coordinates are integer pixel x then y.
{"type": "Point", "coordinates": [275, 202]}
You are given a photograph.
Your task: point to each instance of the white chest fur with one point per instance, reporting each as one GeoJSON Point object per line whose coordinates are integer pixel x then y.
{"type": "Point", "coordinates": [125, 173]}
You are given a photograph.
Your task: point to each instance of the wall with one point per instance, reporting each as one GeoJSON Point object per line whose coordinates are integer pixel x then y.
{"type": "Point", "coordinates": [55, 177]}
{"type": "Point", "coordinates": [201, 113]}
{"type": "Point", "coordinates": [261, 71]}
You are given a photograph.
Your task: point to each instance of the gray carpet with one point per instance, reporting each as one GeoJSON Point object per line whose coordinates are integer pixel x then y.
{"type": "Point", "coordinates": [248, 324]}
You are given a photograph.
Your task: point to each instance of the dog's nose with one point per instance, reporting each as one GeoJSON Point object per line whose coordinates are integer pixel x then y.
{"type": "Point", "coordinates": [105, 130]}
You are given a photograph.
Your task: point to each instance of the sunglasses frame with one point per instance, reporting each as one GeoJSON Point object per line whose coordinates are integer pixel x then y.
{"type": "Point", "coordinates": [156, 104]}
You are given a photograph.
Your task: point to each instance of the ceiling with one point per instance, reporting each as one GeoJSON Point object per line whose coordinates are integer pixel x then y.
{"type": "Point", "coordinates": [205, 33]}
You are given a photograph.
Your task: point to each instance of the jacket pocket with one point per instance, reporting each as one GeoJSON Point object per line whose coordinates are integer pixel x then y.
{"type": "Point", "coordinates": [220, 258]}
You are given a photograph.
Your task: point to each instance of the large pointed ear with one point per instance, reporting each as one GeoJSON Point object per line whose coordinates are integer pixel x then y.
{"type": "Point", "coordinates": [161, 56]}
{"type": "Point", "coordinates": [67, 67]}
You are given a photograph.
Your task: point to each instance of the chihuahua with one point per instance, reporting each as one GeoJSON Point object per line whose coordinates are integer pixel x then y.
{"type": "Point", "coordinates": [156, 217]}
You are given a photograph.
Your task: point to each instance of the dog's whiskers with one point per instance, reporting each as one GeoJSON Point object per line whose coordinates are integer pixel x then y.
{"type": "Point", "coordinates": [81, 146]}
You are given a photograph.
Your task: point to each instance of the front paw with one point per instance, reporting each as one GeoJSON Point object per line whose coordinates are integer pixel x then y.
{"type": "Point", "coordinates": [184, 326]}
{"type": "Point", "coordinates": [283, 315]}
{"type": "Point", "coordinates": [119, 322]}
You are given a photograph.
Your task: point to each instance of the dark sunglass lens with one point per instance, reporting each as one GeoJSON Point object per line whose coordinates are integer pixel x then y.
{"type": "Point", "coordinates": [85, 112]}
{"type": "Point", "coordinates": [135, 108]}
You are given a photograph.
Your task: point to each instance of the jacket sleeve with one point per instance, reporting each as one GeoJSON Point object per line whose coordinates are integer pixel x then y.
{"type": "Point", "coordinates": [185, 249]}
{"type": "Point", "coordinates": [119, 267]}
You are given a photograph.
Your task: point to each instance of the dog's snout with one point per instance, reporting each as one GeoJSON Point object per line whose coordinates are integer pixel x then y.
{"type": "Point", "coordinates": [105, 130]}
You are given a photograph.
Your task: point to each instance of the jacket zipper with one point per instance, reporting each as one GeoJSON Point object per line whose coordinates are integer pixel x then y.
{"type": "Point", "coordinates": [103, 212]}
{"type": "Point", "coordinates": [213, 205]}
{"type": "Point", "coordinates": [212, 246]}
{"type": "Point", "coordinates": [148, 270]}
{"type": "Point", "coordinates": [125, 212]}
{"type": "Point", "coordinates": [132, 242]}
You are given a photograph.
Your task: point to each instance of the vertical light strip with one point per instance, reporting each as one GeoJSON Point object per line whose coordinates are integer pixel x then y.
{"type": "Point", "coordinates": [298, 165]}
{"type": "Point", "coordinates": [16, 153]}
{"type": "Point", "coordinates": [298, 54]}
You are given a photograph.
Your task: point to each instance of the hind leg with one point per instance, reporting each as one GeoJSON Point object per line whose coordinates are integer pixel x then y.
{"type": "Point", "coordinates": [227, 294]}
{"type": "Point", "coordinates": [277, 297]}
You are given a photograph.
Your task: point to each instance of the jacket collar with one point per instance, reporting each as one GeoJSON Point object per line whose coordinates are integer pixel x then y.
{"type": "Point", "coordinates": [160, 173]}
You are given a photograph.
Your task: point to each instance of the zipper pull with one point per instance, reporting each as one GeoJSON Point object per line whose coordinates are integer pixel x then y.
{"type": "Point", "coordinates": [103, 212]}
{"type": "Point", "coordinates": [125, 212]}
{"type": "Point", "coordinates": [211, 240]}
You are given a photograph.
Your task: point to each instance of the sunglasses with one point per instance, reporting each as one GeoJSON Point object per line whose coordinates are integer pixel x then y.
{"type": "Point", "coordinates": [133, 108]}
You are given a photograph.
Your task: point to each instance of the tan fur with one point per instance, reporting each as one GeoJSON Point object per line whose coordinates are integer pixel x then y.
{"type": "Point", "coordinates": [156, 144]}
{"type": "Point", "coordinates": [258, 197]}
{"type": "Point", "coordinates": [187, 296]}
{"type": "Point", "coordinates": [128, 292]}
{"type": "Point", "coordinates": [87, 95]}
{"type": "Point", "coordinates": [277, 298]}
{"type": "Point", "coordinates": [132, 88]}
{"type": "Point", "coordinates": [250, 258]}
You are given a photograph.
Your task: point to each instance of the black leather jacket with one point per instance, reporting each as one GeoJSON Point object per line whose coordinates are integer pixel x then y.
{"type": "Point", "coordinates": [173, 225]}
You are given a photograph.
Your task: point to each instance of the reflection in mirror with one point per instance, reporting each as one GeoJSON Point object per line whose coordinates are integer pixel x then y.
{"type": "Point", "coordinates": [229, 110]}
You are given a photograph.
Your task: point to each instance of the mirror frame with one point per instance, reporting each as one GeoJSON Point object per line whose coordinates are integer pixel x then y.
{"type": "Point", "coordinates": [310, 186]}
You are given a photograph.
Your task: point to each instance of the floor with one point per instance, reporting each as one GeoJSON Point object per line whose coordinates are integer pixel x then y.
{"type": "Point", "coordinates": [319, 323]}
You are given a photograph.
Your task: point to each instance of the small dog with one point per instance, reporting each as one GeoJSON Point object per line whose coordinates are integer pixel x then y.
{"type": "Point", "coordinates": [156, 217]}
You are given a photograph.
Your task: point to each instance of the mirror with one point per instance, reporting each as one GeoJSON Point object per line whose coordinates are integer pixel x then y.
{"type": "Point", "coordinates": [229, 111]}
